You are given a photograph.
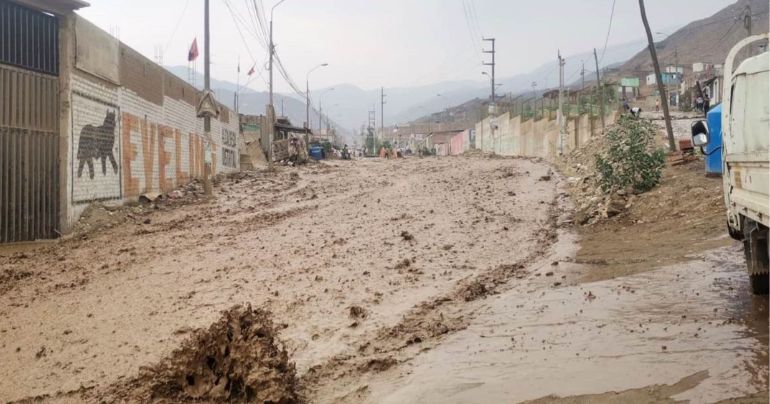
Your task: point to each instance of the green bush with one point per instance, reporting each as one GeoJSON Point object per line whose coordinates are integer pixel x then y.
{"type": "Point", "coordinates": [632, 158]}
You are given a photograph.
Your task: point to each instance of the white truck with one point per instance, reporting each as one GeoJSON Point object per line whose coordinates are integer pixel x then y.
{"type": "Point", "coordinates": [745, 158]}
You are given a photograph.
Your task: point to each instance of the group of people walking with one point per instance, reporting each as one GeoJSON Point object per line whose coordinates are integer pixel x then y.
{"type": "Point", "coordinates": [702, 103]}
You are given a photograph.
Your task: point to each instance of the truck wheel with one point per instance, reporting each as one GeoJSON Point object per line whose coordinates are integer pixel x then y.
{"type": "Point", "coordinates": [755, 247]}
{"type": "Point", "coordinates": [759, 284]}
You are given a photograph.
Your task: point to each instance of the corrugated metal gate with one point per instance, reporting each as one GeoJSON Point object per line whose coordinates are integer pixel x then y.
{"type": "Point", "coordinates": [29, 141]}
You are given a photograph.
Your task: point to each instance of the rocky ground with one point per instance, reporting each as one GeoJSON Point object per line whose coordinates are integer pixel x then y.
{"type": "Point", "coordinates": [458, 279]}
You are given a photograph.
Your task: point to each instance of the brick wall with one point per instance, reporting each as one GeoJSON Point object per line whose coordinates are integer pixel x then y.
{"type": "Point", "coordinates": [131, 137]}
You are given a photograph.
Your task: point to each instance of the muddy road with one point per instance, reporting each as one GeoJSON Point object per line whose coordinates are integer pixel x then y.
{"type": "Point", "coordinates": [421, 280]}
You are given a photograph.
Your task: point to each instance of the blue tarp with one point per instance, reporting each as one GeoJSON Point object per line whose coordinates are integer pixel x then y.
{"type": "Point", "coordinates": [714, 147]}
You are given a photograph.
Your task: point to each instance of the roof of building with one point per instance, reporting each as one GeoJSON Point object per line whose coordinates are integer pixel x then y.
{"type": "Point", "coordinates": [291, 128]}
{"type": "Point", "coordinates": [54, 6]}
{"type": "Point", "coordinates": [446, 132]}
{"type": "Point", "coordinates": [443, 136]}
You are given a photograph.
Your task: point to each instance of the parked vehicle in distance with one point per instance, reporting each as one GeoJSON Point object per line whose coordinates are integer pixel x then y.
{"type": "Point", "coordinates": [745, 158]}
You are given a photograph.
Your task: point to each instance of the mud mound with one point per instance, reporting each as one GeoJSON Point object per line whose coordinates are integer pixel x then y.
{"type": "Point", "coordinates": [236, 359]}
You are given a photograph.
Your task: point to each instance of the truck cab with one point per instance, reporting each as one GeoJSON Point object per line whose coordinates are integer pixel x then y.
{"type": "Point", "coordinates": [745, 158]}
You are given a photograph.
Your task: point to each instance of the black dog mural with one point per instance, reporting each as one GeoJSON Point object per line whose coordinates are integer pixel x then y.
{"type": "Point", "coordinates": [96, 142]}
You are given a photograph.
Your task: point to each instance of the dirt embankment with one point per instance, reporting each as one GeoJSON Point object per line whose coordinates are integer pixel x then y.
{"type": "Point", "coordinates": [627, 232]}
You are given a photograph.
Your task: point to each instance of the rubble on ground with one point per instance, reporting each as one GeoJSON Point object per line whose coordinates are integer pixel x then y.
{"type": "Point", "coordinates": [237, 359]}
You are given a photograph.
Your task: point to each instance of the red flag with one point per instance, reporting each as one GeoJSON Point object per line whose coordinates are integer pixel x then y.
{"type": "Point", "coordinates": [251, 71]}
{"type": "Point", "coordinates": [193, 53]}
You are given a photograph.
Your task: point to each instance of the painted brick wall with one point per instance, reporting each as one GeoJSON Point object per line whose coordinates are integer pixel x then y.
{"type": "Point", "coordinates": [154, 148]}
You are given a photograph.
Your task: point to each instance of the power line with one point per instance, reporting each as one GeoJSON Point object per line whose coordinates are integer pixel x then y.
{"type": "Point", "coordinates": [176, 27]}
{"type": "Point", "coordinates": [729, 30]}
{"type": "Point", "coordinates": [469, 24]}
{"type": "Point", "coordinates": [245, 43]}
{"type": "Point", "coordinates": [609, 29]}
{"type": "Point", "coordinates": [475, 16]}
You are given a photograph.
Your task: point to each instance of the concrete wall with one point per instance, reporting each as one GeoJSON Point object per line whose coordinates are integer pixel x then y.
{"type": "Point", "coordinates": [459, 143]}
{"type": "Point", "coordinates": [131, 126]}
{"type": "Point", "coordinates": [533, 138]}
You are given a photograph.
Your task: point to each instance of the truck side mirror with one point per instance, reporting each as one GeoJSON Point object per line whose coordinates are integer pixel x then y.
{"type": "Point", "coordinates": [700, 134]}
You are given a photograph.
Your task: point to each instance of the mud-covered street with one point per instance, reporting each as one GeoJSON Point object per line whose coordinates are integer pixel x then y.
{"type": "Point", "coordinates": [444, 280]}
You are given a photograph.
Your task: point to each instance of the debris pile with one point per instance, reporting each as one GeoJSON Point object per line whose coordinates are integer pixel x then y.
{"type": "Point", "coordinates": [579, 167]}
{"type": "Point", "coordinates": [237, 359]}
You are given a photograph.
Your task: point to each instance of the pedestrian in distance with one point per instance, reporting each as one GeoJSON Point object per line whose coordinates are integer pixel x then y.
{"type": "Point", "coordinates": [706, 104]}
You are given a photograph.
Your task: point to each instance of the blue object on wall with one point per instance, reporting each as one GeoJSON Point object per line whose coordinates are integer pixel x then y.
{"type": "Point", "coordinates": [714, 147]}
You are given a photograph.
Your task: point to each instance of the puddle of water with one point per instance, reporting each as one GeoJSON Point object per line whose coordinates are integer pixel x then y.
{"type": "Point", "coordinates": [648, 329]}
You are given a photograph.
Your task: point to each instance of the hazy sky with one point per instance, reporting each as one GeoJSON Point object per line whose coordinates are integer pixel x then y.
{"type": "Point", "coordinates": [391, 43]}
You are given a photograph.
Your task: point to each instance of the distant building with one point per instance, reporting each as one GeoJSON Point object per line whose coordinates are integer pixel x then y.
{"type": "Point", "coordinates": [698, 67]}
{"type": "Point", "coordinates": [651, 80]}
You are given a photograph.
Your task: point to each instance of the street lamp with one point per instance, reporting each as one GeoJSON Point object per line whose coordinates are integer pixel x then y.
{"type": "Point", "coordinates": [307, 104]}
{"type": "Point", "coordinates": [272, 49]}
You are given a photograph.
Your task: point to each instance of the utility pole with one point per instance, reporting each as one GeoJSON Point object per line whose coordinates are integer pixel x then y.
{"type": "Point", "coordinates": [382, 112]}
{"type": "Point", "coordinates": [271, 112]}
{"type": "Point", "coordinates": [561, 104]}
{"type": "Point", "coordinates": [493, 101]}
{"type": "Point", "coordinates": [582, 76]}
{"type": "Point", "coordinates": [492, 65]}
{"type": "Point", "coordinates": [747, 25]}
{"type": "Point", "coordinates": [600, 96]}
{"type": "Point", "coordinates": [207, 189]}
{"type": "Point", "coordinates": [658, 77]}
{"type": "Point", "coordinates": [237, 88]}
{"type": "Point", "coordinates": [371, 128]}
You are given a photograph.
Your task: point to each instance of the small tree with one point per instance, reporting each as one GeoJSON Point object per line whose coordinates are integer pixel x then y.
{"type": "Point", "coordinates": [632, 158]}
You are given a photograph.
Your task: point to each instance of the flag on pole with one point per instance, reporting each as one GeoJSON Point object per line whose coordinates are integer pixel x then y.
{"type": "Point", "coordinates": [252, 70]}
{"type": "Point", "coordinates": [193, 53]}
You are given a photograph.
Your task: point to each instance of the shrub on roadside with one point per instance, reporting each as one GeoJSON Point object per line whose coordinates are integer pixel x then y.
{"type": "Point", "coordinates": [631, 159]}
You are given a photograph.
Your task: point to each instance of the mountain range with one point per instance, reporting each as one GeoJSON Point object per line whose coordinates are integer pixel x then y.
{"type": "Point", "coordinates": [348, 106]}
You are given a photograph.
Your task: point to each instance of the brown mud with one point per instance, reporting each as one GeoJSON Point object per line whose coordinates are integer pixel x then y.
{"type": "Point", "coordinates": [238, 358]}
{"type": "Point", "coordinates": [676, 220]}
{"type": "Point", "coordinates": [437, 280]}
{"type": "Point", "coordinates": [307, 244]}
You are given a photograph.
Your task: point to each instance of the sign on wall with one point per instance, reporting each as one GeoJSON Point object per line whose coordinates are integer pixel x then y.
{"type": "Point", "coordinates": [95, 150]}
{"type": "Point", "coordinates": [629, 82]}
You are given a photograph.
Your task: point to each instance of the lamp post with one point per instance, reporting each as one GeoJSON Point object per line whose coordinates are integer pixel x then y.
{"type": "Point", "coordinates": [272, 49]}
{"type": "Point", "coordinates": [307, 103]}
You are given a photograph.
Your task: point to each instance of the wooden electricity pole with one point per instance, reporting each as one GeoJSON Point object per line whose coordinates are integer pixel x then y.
{"type": "Point", "coordinates": [658, 79]}
{"type": "Point", "coordinates": [599, 92]}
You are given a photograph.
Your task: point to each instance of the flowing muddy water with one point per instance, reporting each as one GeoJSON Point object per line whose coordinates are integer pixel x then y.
{"type": "Point", "coordinates": [341, 254]}
{"type": "Point", "coordinates": [690, 331]}
{"type": "Point", "coordinates": [418, 280]}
